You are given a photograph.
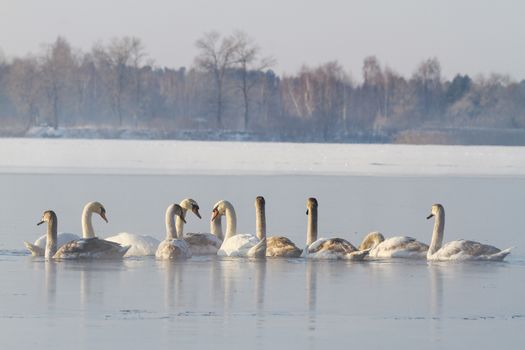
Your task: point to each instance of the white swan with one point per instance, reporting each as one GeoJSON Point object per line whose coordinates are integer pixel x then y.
{"type": "Point", "coordinates": [240, 245]}
{"type": "Point", "coordinates": [173, 248]}
{"type": "Point", "coordinates": [323, 248]}
{"type": "Point", "coordinates": [200, 243]}
{"type": "Point", "coordinates": [38, 248]}
{"type": "Point", "coordinates": [461, 249]}
{"type": "Point", "coordinates": [393, 247]}
{"type": "Point", "coordinates": [90, 246]}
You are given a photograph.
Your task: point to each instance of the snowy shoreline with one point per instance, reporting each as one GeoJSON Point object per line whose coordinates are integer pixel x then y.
{"type": "Point", "coordinates": [141, 157]}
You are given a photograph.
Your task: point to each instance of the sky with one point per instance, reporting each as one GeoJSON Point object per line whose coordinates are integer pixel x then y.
{"type": "Point", "coordinates": [467, 36]}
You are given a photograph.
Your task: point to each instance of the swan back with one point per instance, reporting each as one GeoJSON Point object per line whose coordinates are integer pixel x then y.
{"type": "Point", "coordinates": [91, 248]}
{"type": "Point", "coordinates": [140, 245]}
{"type": "Point", "coordinates": [371, 240]}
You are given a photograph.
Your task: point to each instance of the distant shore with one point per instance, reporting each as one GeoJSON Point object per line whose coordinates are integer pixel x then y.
{"type": "Point", "coordinates": [429, 136]}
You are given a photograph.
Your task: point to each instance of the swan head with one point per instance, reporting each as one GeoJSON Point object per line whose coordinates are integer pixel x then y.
{"type": "Point", "coordinates": [96, 207]}
{"type": "Point", "coordinates": [48, 216]}
{"type": "Point", "coordinates": [311, 203]}
{"type": "Point", "coordinates": [191, 204]}
{"type": "Point", "coordinates": [437, 210]}
{"type": "Point", "coordinates": [219, 209]}
{"type": "Point", "coordinates": [259, 201]}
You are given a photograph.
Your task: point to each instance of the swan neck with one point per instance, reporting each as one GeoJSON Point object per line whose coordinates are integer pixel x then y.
{"type": "Point", "coordinates": [171, 229]}
{"type": "Point", "coordinates": [311, 233]}
{"type": "Point", "coordinates": [179, 224]}
{"type": "Point", "coordinates": [51, 245]}
{"type": "Point", "coordinates": [216, 228]}
{"type": "Point", "coordinates": [231, 222]}
{"type": "Point", "coordinates": [437, 234]}
{"type": "Point", "coordinates": [87, 225]}
{"type": "Point", "coordinates": [260, 221]}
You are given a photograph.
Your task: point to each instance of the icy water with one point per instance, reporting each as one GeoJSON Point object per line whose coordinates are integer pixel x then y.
{"type": "Point", "coordinates": [277, 303]}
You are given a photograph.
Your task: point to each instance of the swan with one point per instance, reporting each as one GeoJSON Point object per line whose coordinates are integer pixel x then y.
{"type": "Point", "coordinates": [461, 249]}
{"type": "Point", "coordinates": [38, 248]}
{"type": "Point", "coordinates": [276, 246]}
{"type": "Point", "coordinates": [393, 247]}
{"type": "Point", "coordinates": [50, 217]}
{"type": "Point", "coordinates": [240, 245]}
{"type": "Point", "coordinates": [323, 248]}
{"type": "Point", "coordinates": [90, 246]}
{"type": "Point", "coordinates": [200, 243]}
{"type": "Point", "coordinates": [173, 248]}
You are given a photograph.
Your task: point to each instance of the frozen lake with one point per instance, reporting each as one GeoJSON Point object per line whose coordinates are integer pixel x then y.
{"type": "Point", "coordinates": [275, 303]}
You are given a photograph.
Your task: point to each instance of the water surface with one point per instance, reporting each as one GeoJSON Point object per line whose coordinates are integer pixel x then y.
{"type": "Point", "coordinates": [277, 303]}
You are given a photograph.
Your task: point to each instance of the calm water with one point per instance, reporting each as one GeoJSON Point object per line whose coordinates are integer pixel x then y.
{"type": "Point", "coordinates": [275, 303]}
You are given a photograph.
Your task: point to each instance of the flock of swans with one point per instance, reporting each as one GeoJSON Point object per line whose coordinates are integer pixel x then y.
{"type": "Point", "coordinates": [180, 245]}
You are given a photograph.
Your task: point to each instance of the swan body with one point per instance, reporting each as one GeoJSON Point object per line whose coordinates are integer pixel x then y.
{"type": "Point", "coordinates": [393, 247]}
{"type": "Point", "coordinates": [90, 246]}
{"type": "Point", "coordinates": [239, 245]}
{"type": "Point", "coordinates": [469, 250]}
{"type": "Point", "coordinates": [278, 246]}
{"type": "Point", "coordinates": [38, 248]}
{"type": "Point", "coordinates": [140, 245]}
{"type": "Point", "coordinates": [334, 249]}
{"type": "Point", "coordinates": [173, 248]}
{"type": "Point", "coordinates": [203, 243]}
{"type": "Point", "coordinates": [459, 250]}
{"type": "Point", "coordinates": [200, 243]}
{"type": "Point", "coordinates": [323, 248]}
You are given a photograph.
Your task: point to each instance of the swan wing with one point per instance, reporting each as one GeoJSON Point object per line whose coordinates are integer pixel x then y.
{"type": "Point", "coordinates": [141, 245]}
{"type": "Point", "coordinates": [34, 249]}
{"type": "Point", "coordinates": [400, 247]}
{"type": "Point", "coordinates": [332, 248]}
{"type": "Point", "coordinates": [62, 238]}
{"type": "Point", "coordinates": [282, 247]}
{"type": "Point", "coordinates": [203, 243]}
{"type": "Point", "coordinates": [91, 248]}
{"type": "Point", "coordinates": [258, 250]}
{"type": "Point", "coordinates": [238, 245]}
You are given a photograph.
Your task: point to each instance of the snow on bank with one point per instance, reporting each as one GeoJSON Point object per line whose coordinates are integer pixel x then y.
{"type": "Point", "coordinates": [247, 158]}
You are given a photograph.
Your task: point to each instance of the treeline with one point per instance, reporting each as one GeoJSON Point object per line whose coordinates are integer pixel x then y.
{"type": "Point", "coordinates": [232, 88]}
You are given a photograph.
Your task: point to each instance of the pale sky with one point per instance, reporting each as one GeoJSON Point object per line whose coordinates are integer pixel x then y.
{"type": "Point", "coordinates": [467, 36]}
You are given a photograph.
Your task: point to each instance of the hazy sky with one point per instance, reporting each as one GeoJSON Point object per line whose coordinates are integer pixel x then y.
{"type": "Point", "coordinates": [468, 36]}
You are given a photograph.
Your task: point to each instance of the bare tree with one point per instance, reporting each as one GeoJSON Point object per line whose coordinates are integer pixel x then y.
{"type": "Point", "coordinates": [248, 60]}
{"type": "Point", "coordinates": [216, 56]}
{"type": "Point", "coordinates": [23, 87]}
{"type": "Point", "coordinates": [115, 62]}
{"type": "Point", "coordinates": [427, 79]}
{"type": "Point", "coordinates": [58, 64]}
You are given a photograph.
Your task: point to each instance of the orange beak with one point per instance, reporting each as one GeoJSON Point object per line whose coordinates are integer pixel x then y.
{"type": "Point", "coordinates": [214, 214]}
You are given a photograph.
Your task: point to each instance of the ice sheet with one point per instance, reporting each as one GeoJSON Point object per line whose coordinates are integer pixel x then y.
{"type": "Point", "coordinates": [250, 158]}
